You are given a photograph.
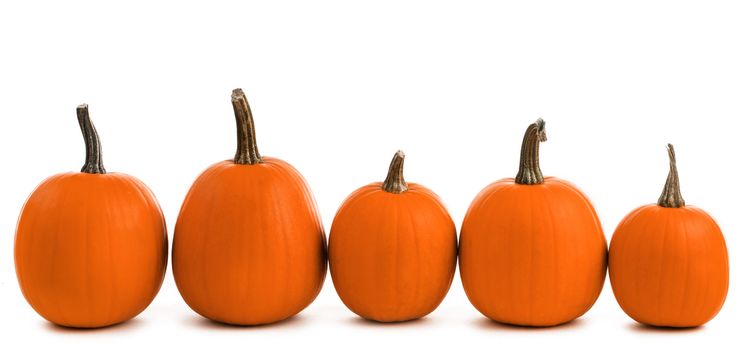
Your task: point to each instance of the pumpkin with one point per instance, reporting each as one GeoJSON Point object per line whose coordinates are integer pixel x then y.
{"type": "Point", "coordinates": [249, 246]}
{"type": "Point", "coordinates": [90, 247]}
{"type": "Point", "coordinates": [668, 262]}
{"type": "Point", "coordinates": [532, 251]}
{"type": "Point", "coordinates": [392, 249]}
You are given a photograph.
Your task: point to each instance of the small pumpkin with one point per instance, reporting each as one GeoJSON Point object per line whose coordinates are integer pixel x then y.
{"type": "Point", "coordinates": [249, 246]}
{"type": "Point", "coordinates": [90, 247]}
{"type": "Point", "coordinates": [392, 249]}
{"type": "Point", "coordinates": [668, 262]}
{"type": "Point", "coordinates": [532, 251]}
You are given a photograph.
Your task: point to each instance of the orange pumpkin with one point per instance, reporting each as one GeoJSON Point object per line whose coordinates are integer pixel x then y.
{"type": "Point", "coordinates": [532, 251]}
{"type": "Point", "coordinates": [668, 263]}
{"type": "Point", "coordinates": [249, 246]}
{"type": "Point", "coordinates": [90, 247]}
{"type": "Point", "coordinates": [393, 249]}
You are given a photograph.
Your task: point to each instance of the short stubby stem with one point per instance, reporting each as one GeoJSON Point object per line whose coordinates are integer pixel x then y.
{"type": "Point", "coordinates": [395, 182]}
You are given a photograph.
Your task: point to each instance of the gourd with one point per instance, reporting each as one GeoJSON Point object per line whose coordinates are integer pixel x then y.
{"type": "Point", "coordinates": [532, 251]}
{"type": "Point", "coordinates": [668, 262]}
{"type": "Point", "coordinates": [392, 249]}
{"type": "Point", "coordinates": [249, 246]}
{"type": "Point", "coordinates": [90, 247]}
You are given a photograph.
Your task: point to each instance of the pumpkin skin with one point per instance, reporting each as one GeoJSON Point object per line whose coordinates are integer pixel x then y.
{"type": "Point", "coordinates": [392, 255]}
{"type": "Point", "coordinates": [668, 266]}
{"type": "Point", "coordinates": [532, 254]}
{"type": "Point", "coordinates": [249, 246]}
{"type": "Point", "coordinates": [90, 249]}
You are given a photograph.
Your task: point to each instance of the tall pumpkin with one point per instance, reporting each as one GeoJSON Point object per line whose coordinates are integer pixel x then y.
{"type": "Point", "coordinates": [393, 249]}
{"type": "Point", "coordinates": [249, 246]}
{"type": "Point", "coordinates": [532, 251]}
{"type": "Point", "coordinates": [90, 247]}
{"type": "Point", "coordinates": [668, 262]}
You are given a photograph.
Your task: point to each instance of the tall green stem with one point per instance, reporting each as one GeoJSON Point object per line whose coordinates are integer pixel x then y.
{"type": "Point", "coordinates": [529, 171]}
{"type": "Point", "coordinates": [93, 160]}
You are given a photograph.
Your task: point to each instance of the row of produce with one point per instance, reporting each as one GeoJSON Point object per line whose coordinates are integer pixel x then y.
{"type": "Point", "coordinates": [249, 247]}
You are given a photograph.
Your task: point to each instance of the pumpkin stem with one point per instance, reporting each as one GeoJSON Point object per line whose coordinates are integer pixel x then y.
{"type": "Point", "coordinates": [93, 160]}
{"type": "Point", "coordinates": [529, 171]}
{"type": "Point", "coordinates": [247, 149]}
{"type": "Point", "coordinates": [395, 183]}
{"type": "Point", "coordinates": [671, 196]}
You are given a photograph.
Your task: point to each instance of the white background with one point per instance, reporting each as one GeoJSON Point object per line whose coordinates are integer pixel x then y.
{"type": "Point", "coordinates": [336, 88]}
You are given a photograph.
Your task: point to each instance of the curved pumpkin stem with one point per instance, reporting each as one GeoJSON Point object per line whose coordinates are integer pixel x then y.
{"type": "Point", "coordinates": [671, 196]}
{"type": "Point", "coordinates": [395, 182]}
{"type": "Point", "coordinates": [529, 171]}
{"type": "Point", "coordinates": [247, 149]}
{"type": "Point", "coordinates": [93, 160]}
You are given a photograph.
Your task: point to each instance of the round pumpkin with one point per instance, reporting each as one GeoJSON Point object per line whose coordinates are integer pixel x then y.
{"type": "Point", "coordinates": [90, 247]}
{"type": "Point", "coordinates": [249, 246]}
{"type": "Point", "coordinates": [392, 249]}
{"type": "Point", "coordinates": [668, 262]}
{"type": "Point", "coordinates": [532, 251]}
